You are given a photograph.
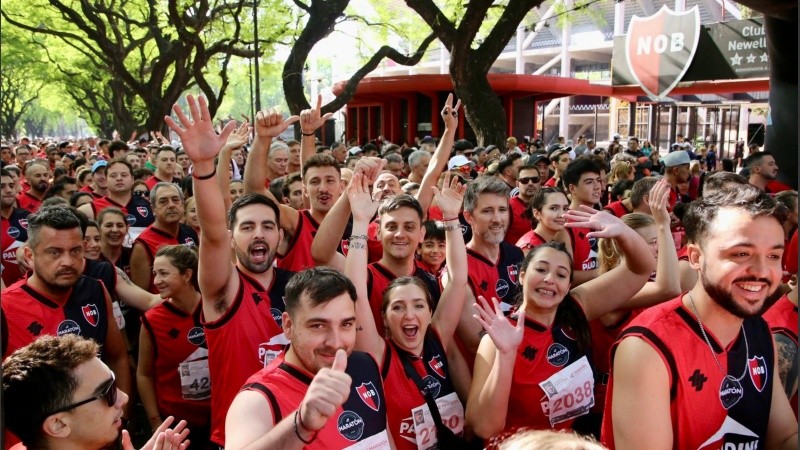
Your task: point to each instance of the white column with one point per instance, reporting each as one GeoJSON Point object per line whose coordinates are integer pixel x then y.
{"type": "Point", "coordinates": [444, 56]}
{"type": "Point", "coordinates": [520, 66]}
{"type": "Point", "coordinates": [563, 118]}
{"type": "Point", "coordinates": [619, 18]}
{"type": "Point", "coordinates": [680, 5]}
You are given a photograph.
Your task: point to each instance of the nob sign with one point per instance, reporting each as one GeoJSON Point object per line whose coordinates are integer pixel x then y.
{"type": "Point", "coordinates": [660, 48]}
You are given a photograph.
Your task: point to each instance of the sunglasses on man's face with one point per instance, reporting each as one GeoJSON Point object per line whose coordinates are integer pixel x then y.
{"type": "Point", "coordinates": [526, 180]}
{"type": "Point", "coordinates": [141, 193]}
{"type": "Point", "coordinates": [108, 393]}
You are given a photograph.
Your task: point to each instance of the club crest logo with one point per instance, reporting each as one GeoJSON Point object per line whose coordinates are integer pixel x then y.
{"type": "Point", "coordinates": [437, 366]}
{"type": "Point", "coordinates": [91, 314]}
{"type": "Point", "coordinates": [512, 273]}
{"type": "Point", "coordinates": [23, 223]}
{"type": "Point", "coordinates": [660, 48]}
{"type": "Point", "coordinates": [758, 372]}
{"type": "Point", "coordinates": [369, 395]}
{"type": "Point", "coordinates": [142, 211]}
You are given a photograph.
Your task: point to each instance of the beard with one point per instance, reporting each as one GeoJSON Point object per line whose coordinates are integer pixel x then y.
{"type": "Point", "coordinates": [724, 296]}
{"type": "Point", "coordinates": [254, 267]}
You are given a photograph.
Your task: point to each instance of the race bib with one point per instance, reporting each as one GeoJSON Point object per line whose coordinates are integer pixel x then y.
{"type": "Point", "coordinates": [118, 317]}
{"type": "Point", "coordinates": [195, 377]}
{"type": "Point", "coordinates": [452, 412]}
{"type": "Point", "coordinates": [570, 392]}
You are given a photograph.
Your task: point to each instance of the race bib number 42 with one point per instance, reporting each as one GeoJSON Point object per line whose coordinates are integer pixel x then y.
{"type": "Point", "coordinates": [570, 391]}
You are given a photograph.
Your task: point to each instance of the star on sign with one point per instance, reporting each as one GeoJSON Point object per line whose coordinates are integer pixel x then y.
{"type": "Point", "coordinates": [751, 58]}
{"type": "Point", "coordinates": [763, 57]}
{"type": "Point", "coordinates": [736, 60]}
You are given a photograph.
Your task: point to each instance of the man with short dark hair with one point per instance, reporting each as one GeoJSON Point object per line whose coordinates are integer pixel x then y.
{"type": "Point", "coordinates": [22, 153]}
{"type": "Point", "coordinates": [508, 168]}
{"type": "Point", "coordinates": [559, 159]}
{"type": "Point", "coordinates": [700, 371]}
{"type": "Point", "coordinates": [242, 301]}
{"type": "Point", "coordinates": [528, 184]}
{"type": "Point", "coordinates": [166, 167]}
{"type": "Point", "coordinates": [63, 396]}
{"type": "Point", "coordinates": [763, 169]}
{"type": "Point", "coordinates": [584, 184]}
{"type": "Point", "coordinates": [56, 298]}
{"type": "Point", "coordinates": [318, 388]}
{"type": "Point", "coordinates": [292, 191]}
{"type": "Point", "coordinates": [14, 228]}
{"type": "Point", "coordinates": [63, 187]}
{"type": "Point", "coordinates": [37, 176]}
{"type": "Point", "coordinates": [294, 156]}
{"type": "Point", "coordinates": [117, 149]}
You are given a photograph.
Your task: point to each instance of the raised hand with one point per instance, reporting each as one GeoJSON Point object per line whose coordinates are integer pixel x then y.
{"type": "Point", "coordinates": [327, 392]}
{"type": "Point", "coordinates": [506, 337]}
{"type": "Point", "coordinates": [371, 167]}
{"type": "Point", "coordinates": [450, 113]}
{"type": "Point", "coordinates": [239, 137]}
{"type": "Point", "coordinates": [605, 225]}
{"type": "Point", "coordinates": [199, 139]}
{"type": "Point", "coordinates": [451, 197]}
{"type": "Point", "coordinates": [311, 119]}
{"type": "Point", "coordinates": [361, 202]}
{"type": "Point", "coordinates": [658, 201]}
{"type": "Point", "coordinates": [164, 438]}
{"type": "Point", "coordinates": [270, 124]}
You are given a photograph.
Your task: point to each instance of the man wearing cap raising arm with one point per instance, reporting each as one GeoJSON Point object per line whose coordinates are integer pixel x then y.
{"type": "Point", "coordinates": [676, 171]}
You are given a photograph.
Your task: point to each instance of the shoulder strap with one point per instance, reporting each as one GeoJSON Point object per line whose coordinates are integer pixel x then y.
{"type": "Point", "coordinates": [441, 429]}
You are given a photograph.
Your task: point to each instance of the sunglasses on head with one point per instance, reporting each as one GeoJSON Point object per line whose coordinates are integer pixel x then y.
{"type": "Point", "coordinates": [109, 394]}
{"type": "Point", "coordinates": [526, 180]}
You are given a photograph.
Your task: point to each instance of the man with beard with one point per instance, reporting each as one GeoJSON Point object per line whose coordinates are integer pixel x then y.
{"type": "Point", "coordinates": [167, 201]}
{"type": "Point", "coordinates": [56, 299]}
{"type": "Point", "coordinates": [53, 386]}
{"type": "Point", "coordinates": [242, 301]}
{"type": "Point", "coordinates": [138, 213]}
{"type": "Point", "coordinates": [528, 182]}
{"type": "Point", "coordinates": [322, 185]}
{"type": "Point", "coordinates": [700, 371]}
{"type": "Point", "coordinates": [676, 171]}
{"type": "Point", "coordinates": [492, 262]}
{"type": "Point", "coordinates": [37, 177]}
{"type": "Point", "coordinates": [15, 228]}
{"type": "Point", "coordinates": [318, 391]}
{"type": "Point", "coordinates": [166, 166]}
{"type": "Point", "coordinates": [763, 171]}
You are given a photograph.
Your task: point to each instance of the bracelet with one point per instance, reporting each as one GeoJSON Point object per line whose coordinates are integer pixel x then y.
{"type": "Point", "coordinates": [448, 219]}
{"type": "Point", "coordinates": [451, 227]}
{"type": "Point", "coordinates": [297, 432]}
{"type": "Point", "coordinates": [358, 236]}
{"type": "Point", "coordinates": [204, 177]}
{"type": "Point", "coordinates": [308, 134]}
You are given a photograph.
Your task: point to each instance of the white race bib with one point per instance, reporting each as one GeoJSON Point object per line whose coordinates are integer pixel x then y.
{"type": "Point", "coordinates": [570, 391]}
{"type": "Point", "coordinates": [452, 412]}
{"type": "Point", "coordinates": [195, 376]}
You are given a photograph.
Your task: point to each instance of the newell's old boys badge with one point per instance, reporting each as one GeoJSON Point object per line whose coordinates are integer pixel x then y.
{"type": "Point", "coordinates": [90, 313]}
{"type": "Point", "coordinates": [758, 372]}
{"type": "Point", "coordinates": [660, 48]}
{"type": "Point", "coordinates": [369, 395]}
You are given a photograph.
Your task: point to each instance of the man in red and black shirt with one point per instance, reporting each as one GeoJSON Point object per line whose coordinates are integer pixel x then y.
{"type": "Point", "coordinates": [528, 183]}
{"type": "Point", "coordinates": [36, 175]}
{"type": "Point", "coordinates": [165, 167]}
{"type": "Point", "coordinates": [14, 231]}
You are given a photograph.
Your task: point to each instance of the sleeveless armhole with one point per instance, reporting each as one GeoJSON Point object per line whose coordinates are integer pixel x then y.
{"type": "Point", "coordinates": [273, 402]}
{"type": "Point", "coordinates": [230, 312]}
{"type": "Point", "coordinates": [659, 346]}
{"type": "Point", "coordinates": [149, 329]}
{"type": "Point", "coordinates": [387, 361]}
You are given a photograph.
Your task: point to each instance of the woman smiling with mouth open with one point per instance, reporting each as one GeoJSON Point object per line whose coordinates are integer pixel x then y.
{"type": "Point", "coordinates": [542, 359]}
{"type": "Point", "coordinates": [412, 356]}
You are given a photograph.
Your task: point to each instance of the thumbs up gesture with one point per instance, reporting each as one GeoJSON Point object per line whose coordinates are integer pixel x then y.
{"type": "Point", "coordinates": [327, 392]}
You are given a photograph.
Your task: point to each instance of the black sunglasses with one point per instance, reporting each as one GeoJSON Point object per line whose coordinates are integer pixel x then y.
{"type": "Point", "coordinates": [141, 193]}
{"type": "Point", "coordinates": [526, 180]}
{"type": "Point", "coordinates": [109, 393]}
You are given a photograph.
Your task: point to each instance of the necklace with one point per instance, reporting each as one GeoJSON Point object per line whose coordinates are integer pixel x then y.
{"type": "Point", "coordinates": [730, 392]}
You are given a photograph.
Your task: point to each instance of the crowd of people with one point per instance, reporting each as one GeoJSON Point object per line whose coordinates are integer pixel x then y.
{"type": "Point", "coordinates": [286, 294]}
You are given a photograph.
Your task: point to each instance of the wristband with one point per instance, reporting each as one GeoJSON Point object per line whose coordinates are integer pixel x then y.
{"type": "Point", "coordinates": [308, 134]}
{"type": "Point", "coordinates": [297, 431]}
{"type": "Point", "coordinates": [358, 236]}
{"type": "Point", "coordinates": [204, 177]}
{"type": "Point", "coordinates": [451, 227]}
{"type": "Point", "coordinates": [447, 219]}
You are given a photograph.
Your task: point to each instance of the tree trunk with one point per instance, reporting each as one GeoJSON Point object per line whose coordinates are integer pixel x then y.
{"type": "Point", "coordinates": [482, 106]}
